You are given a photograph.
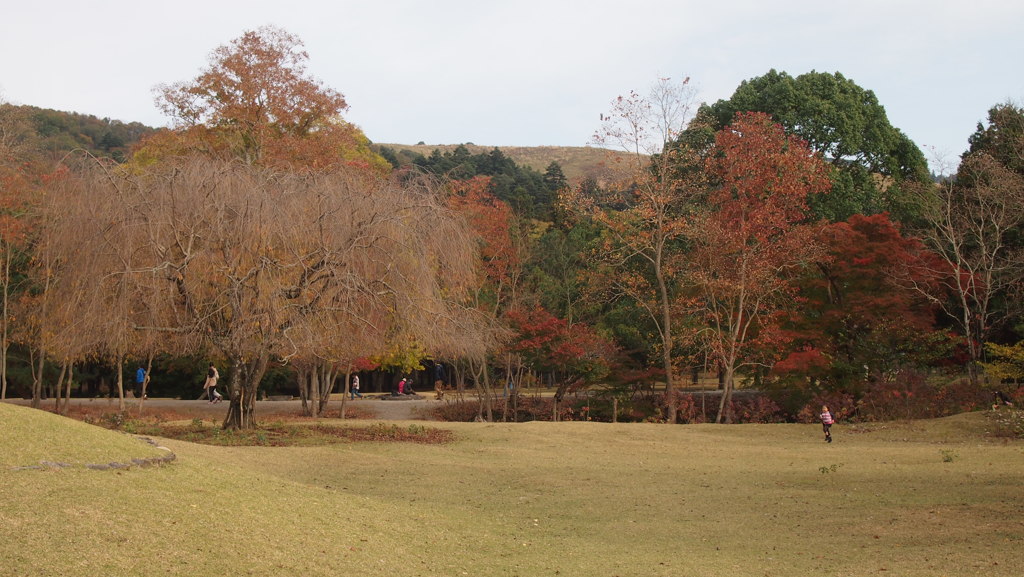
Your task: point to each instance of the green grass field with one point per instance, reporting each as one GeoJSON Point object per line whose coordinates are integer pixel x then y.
{"type": "Point", "coordinates": [919, 498]}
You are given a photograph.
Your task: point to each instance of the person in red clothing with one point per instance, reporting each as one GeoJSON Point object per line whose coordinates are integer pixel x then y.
{"type": "Point", "coordinates": [826, 423]}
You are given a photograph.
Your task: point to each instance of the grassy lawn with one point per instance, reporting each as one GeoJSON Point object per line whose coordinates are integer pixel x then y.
{"type": "Point", "coordinates": [918, 498]}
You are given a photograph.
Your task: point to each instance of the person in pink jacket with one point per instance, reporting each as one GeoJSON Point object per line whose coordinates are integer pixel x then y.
{"type": "Point", "coordinates": [826, 423]}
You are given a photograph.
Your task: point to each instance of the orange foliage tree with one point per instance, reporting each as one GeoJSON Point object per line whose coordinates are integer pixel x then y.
{"type": "Point", "coordinates": [495, 229]}
{"type": "Point", "coordinates": [257, 102]}
{"type": "Point", "coordinates": [751, 240]}
{"type": "Point", "coordinates": [20, 178]}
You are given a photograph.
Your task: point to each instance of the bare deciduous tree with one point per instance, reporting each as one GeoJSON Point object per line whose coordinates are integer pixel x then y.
{"type": "Point", "coordinates": [657, 194]}
{"type": "Point", "coordinates": [971, 223]}
{"type": "Point", "coordinates": [255, 263]}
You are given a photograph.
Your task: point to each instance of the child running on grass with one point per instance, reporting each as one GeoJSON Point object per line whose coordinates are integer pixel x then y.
{"type": "Point", "coordinates": [826, 423]}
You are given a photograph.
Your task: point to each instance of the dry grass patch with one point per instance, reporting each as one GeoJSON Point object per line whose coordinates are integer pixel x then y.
{"type": "Point", "coordinates": [531, 499]}
{"type": "Point", "coordinates": [32, 438]}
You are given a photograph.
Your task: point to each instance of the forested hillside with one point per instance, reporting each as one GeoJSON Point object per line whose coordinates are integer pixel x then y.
{"type": "Point", "coordinates": [56, 133]}
{"type": "Point", "coordinates": [527, 177]}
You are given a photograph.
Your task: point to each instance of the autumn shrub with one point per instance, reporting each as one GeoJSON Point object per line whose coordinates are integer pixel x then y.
{"type": "Point", "coordinates": [912, 396]}
{"type": "Point", "coordinates": [636, 412]}
{"type": "Point", "coordinates": [756, 409]}
{"type": "Point", "coordinates": [684, 408]}
{"type": "Point", "coordinates": [531, 408]}
{"type": "Point", "coordinates": [633, 409]}
{"type": "Point", "coordinates": [460, 411]}
{"type": "Point", "coordinates": [526, 408]}
{"type": "Point", "coordinates": [113, 420]}
{"type": "Point", "coordinates": [960, 396]}
{"type": "Point", "coordinates": [1018, 396]}
{"type": "Point", "coordinates": [841, 405]}
{"type": "Point", "coordinates": [903, 398]}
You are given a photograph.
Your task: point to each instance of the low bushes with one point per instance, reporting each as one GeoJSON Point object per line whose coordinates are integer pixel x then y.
{"type": "Point", "coordinates": [910, 397]}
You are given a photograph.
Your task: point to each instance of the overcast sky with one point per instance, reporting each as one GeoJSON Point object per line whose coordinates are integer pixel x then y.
{"type": "Point", "coordinates": [527, 72]}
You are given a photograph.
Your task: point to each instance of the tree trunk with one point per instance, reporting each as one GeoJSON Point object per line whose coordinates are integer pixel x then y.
{"type": "Point", "coordinates": [972, 336]}
{"type": "Point", "coordinates": [60, 383]}
{"type": "Point", "coordinates": [346, 391]}
{"type": "Point", "coordinates": [311, 385]}
{"type": "Point", "coordinates": [245, 382]}
{"type": "Point", "coordinates": [120, 383]}
{"type": "Point", "coordinates": [460, 382]}
{"type": "Point", "coordinates": [327, 378]}
{"type": "Point", "coordinates": [483, 387]}
{"type": "Point", "coordinates": [67, 389]}
{"type": "Point", "coordinates": [37, 379]}
{"type": "Point", "coordinates": [303, 377]}
{"type": "Point", "coordinates": [672, 408]}
{"type": "Point", "coordinates": [4, 342]}
{"type": "Point", "coordinates": [507, 394]}
{"type": "Point", "coordinates": [725, 403]}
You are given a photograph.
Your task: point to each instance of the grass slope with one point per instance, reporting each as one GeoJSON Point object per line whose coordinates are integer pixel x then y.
{"type": "Point", "coordinates": [922, 498]}
{"type": "Point", "coordinates": [31, 438]}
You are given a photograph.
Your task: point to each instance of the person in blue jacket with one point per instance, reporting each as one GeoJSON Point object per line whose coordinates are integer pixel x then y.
{"type": "Point", "coordinates": [140, 380]}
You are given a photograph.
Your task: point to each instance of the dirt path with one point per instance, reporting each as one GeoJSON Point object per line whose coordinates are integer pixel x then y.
{"type": "Point", "coordinates": [408, 409]}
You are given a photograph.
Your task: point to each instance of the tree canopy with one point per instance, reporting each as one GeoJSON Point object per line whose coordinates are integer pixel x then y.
{"type": "Point", "coordinates": [257, 102]}
{"type": "Point", "coordinates": [843, 122]}
{"type": "Point", "coordinates": [1002, 137]}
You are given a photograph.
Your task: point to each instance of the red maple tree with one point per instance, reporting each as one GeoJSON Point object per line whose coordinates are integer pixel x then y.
{"type": "Point", "coordinates": [854, 315]}
{"type": "Point", "coordinates": [751, 240]}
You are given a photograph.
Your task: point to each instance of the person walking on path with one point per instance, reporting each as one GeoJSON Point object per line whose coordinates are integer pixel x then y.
{"type": "Point", "coordinates": [140, 380]}
{"type": "Point", "coordinates": [439, 381]}
{"type": "Point", "coordinates": [211, 384]}
{"type": "Point", "coordinates": [826, 423]}
{"type": "Point", "coordinates": [354, 390]}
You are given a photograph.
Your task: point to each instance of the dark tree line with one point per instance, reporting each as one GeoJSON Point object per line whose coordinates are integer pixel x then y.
{"type": "Point", "coordinates": [530, 193]}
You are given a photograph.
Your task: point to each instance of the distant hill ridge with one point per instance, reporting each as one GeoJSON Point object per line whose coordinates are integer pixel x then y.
{"type": "Point", "coordinates": [577, 162]}
{"type": "Point", "coordinates": [58, 132]}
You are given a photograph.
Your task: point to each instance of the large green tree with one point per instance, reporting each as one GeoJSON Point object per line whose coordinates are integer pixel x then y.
{"type": "Point", "coordinates": [1002, 137]}
{"type": "Point", "coordinates": [871, 158]}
